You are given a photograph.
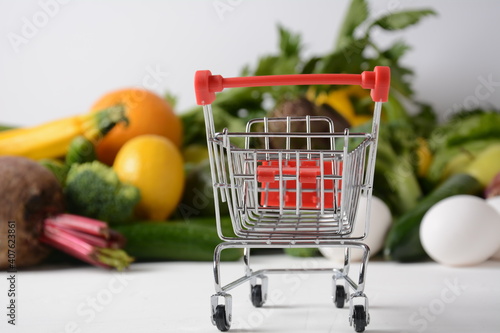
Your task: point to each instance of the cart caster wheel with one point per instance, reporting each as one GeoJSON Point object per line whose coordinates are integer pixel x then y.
{"type": "Point", "coordinates": [256, 296]}
{"type": "Point", "coordinates": [220, 318]}
{"type": "Point", "coordinates": [359, 318]}
{"type": "Point", "coordinates": [340, 296]}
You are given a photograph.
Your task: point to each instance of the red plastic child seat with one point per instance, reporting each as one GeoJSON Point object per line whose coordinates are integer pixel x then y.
{"type": "Point", "coordinates": [308, 171]}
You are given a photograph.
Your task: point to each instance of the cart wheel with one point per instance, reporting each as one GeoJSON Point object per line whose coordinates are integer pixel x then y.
{"type": "Point", "coordinates": [256, 295]}
{"type": "Point", "coordinates": [220, 318]}
{"type": "Point", "coordinates": [359, 318]}
{"type": "Point", "coordinates": [339, 297]}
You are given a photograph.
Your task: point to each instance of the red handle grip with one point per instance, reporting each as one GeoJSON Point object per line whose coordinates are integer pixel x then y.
{"type": "Point", "coordinates": [206, 84]}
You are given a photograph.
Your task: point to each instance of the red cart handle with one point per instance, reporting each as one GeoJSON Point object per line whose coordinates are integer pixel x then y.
{"type": "Point", "coordinates": [206, 84]}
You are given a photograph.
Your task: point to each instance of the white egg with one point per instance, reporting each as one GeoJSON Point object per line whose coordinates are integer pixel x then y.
{"type": "Point", "coordinates": [380, 221]}
{"type": "Point", "coordinates": [461, 230]}
{"type": "Point", "coordinates": [495, 203]}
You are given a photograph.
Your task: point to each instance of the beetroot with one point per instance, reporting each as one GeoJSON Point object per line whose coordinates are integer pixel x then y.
{"type": "Point", "coordinates": [33, 198]}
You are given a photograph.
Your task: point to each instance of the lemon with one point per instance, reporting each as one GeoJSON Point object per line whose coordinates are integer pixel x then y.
{"type": "Point", "coordinates": [154, 164]}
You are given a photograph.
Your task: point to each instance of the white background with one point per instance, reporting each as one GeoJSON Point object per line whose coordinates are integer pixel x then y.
{"type": "Point", "coordinates": [69, 53]}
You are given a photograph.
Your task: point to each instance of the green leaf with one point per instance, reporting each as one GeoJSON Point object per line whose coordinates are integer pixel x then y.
{"type": "Point", "coordinates": [266, 65]}
{"type": "Point", "coordinates": [171, 98]}
{"type": "Point", "coordinates": [356, 14]}
{"type": "Point", "coordinates": [310, 66]}
{"type": "Point", "coordinates": [396, 50]}
{"type": "Point", "coordinates": [394, 111]}
{"type": "Point", "coordinates": [347, 60]}
{"type": "Point", "coordinates": [290, 44]}
{"type": "Point", "coordinates": [424, 121]}
{"type": "Point", "coordinates": [401, 80]}
{"type": "Point", "coordinates": [402, 19]}
{"type": "Point", "coordinates": [245, 71]}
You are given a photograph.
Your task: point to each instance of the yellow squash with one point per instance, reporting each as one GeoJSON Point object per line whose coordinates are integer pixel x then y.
{"type": "Point", "coordinates": [341, 101]}
{"type": "Point", "coordinates": [52, 139]}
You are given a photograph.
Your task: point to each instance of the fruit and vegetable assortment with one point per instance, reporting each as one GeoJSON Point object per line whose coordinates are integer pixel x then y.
{"type": "Point", "coordinates": [129, 179]}
{"type": "Point", "coordinates": [101, 186]}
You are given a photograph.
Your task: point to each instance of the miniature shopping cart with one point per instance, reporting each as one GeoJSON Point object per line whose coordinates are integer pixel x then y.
{"type": "Point", "coordinates": [282, 191]}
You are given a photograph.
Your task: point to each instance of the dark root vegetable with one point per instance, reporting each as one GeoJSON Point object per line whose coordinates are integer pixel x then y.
{"type": "Point", "coordinates": [302, 107]}
{"type": "Point", "coordinates": [33, 198]}
{"type": "Point", "coordinates": [30, 193]}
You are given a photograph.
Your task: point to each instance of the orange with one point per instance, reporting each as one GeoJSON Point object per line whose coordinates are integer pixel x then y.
{"type": "Point", "coordinates": [147, 113]}
{"type": "Point", "coordinates": [154, 165]}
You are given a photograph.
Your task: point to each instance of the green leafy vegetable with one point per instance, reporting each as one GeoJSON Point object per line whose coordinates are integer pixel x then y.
{"type": "Point", "coordinates": [467, 126]}
{"type": "Point", "coordinates": [403, 19]}
{"type": "Point", "coordinates": [356, 14]}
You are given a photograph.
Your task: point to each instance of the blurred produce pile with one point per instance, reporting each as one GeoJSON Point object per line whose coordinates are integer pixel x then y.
{"type": "Point", "coordinates": [419, 161]}
{"type": "Point", "coordinates": [142, 168]}
{"type": "Point", "coordinates": [120, 166]}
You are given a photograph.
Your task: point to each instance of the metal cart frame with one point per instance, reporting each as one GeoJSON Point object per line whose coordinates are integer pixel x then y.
{"type": "Point", "coordinates": [290, 196]}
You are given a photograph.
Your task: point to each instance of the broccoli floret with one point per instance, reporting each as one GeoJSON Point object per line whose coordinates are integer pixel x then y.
{"type": "Point", "coordinates": [93, 189]}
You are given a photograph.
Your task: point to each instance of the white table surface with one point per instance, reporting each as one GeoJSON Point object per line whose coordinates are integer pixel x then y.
{"type": "Point", "coordinates": [175, 297]}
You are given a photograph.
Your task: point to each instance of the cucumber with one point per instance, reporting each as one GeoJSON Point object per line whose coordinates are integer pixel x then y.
{"type": "Point", "coordinates": [302, 252]}
{"type": "Point", "coordinates": [225, 221]}
{"type": "Point", "coordinates": [80, 150]}
{"type": "Point", "coordinates": [175, 240]}
{"type": "Point", "coordinates": [403, 241]}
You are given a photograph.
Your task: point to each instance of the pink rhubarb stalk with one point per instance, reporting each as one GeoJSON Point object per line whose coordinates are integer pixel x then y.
{"type": "Point", "coordinates": [86, 239]}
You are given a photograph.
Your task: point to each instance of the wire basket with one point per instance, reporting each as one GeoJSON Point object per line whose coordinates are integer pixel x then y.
{"type": "Point", "coordinates": [291, 186]}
